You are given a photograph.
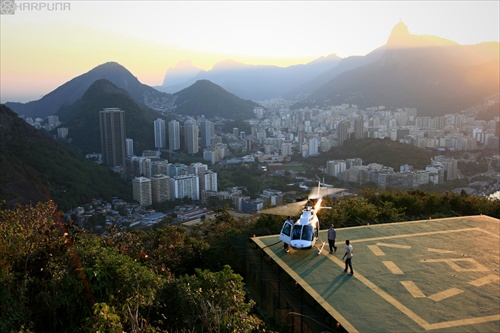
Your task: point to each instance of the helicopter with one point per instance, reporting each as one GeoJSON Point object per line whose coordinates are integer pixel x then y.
{"type": "Point", "coordinates": [303, 234]}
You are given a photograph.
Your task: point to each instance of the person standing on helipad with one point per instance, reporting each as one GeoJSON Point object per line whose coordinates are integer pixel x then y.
{"type": "Point", "coordinates": [332, 234]}
{"type": "Point", "coordinates": [348, 257]}
{"type": "Point", "coordinates": [286, 246]}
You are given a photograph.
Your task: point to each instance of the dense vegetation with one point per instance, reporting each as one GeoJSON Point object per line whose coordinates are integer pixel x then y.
{"type": "Point", "coordinates": [382, 151]}
{"type": "Point", "coordinates": [252, 179]}
{"type": "Point", "coordinates": [34, 167]}
{"type": "Point", "coordinates": [55, 277]}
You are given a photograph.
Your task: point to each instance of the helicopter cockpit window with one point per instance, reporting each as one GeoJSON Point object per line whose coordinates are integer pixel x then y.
{"type": "Point", "coordinates": [286, 229]}
{"type": "Point", "coordinates": [307, 233]}
{"type": "Point", "coordinates": [303, 232]}
{"type": "Point", "coordinates": [297, 229]}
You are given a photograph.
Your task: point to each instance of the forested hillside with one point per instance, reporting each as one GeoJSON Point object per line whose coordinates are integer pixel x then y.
{"type": "Point", "coordinates": [34, 168]}
{"type": "Point", "coordinates": [382, 151]}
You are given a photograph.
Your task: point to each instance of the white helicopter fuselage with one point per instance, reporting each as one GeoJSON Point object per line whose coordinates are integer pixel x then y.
{"type": "Point", "coordinates": [304, 232]}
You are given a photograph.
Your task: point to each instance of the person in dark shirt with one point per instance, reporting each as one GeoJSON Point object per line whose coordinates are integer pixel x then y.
{"type": "Point", "coordinates": [332, 235]}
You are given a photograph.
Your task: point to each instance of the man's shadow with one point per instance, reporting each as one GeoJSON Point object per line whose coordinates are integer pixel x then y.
{"type": "Point", "coordinates": [336, 284]}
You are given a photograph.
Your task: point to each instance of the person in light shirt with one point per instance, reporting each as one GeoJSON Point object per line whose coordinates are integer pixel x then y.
{"type": "Point", "coordinates": [348, 257]}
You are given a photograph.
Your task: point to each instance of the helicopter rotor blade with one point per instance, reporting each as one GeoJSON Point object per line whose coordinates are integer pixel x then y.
{"type": "Point", "coordinates": [290, 209]}
{"type": "Point", "coordinates": [319, 192]}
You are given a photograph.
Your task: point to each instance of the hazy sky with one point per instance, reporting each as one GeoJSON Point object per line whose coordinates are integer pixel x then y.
{"type": "Point", "coordinates": [43, 49]}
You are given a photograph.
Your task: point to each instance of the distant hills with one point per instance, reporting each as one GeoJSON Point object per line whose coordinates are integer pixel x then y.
{"type": "Point", "coordinates": [74, 89]}
{"type": "Point", "coordinates": [208, 99]}
{"type": "Point", "coordinates": [202, 98]}
{"type": "Point", "coordinates": [255, 82]}
{"type": "Point", "coordinates": [36, 168]}
{"type": "Point", "coordinates": [82, 117]}
{"type": "Point", "coordinates": [72, 98]}
{"type": "Point", "coordinates": [434, 75]}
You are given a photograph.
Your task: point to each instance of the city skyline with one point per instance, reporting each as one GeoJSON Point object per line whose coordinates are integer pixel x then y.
{"type": "Point", "coordinates": [43, 49]}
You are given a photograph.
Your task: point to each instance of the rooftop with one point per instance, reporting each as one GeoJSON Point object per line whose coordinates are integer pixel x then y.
{"type": "Point", "coordinates": [438, 275]}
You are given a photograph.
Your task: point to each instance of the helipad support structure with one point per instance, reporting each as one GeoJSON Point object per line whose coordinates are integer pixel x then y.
{"type": "Point", "coordinates": [436, 275]}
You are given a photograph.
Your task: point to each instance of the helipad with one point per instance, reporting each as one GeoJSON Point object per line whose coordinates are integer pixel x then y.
{"type": "Point", "coordinates": [432, 275]}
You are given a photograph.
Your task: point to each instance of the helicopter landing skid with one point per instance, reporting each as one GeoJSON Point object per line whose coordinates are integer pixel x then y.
{"type": "Point", "coordinates": [322, 246]}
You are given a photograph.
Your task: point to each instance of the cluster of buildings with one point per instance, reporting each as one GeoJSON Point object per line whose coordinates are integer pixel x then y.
{"type": "Point", "coordinates": [47, 124]}
{"type": "Point", "coordinates": [133, 215]}
{"type": "Point", "coordinates": [440, 170]}
{"type": "Point", "coordinates": [191, 136]}
{"type": "Point", "coordinates": [155, 180]}
{"type": "Point", "coordinates": [163, 181]}
{"type": "Point", "coordinates": [310, 131]}
{"type": "Point", "coordinates": [280, 132]}
{"type": "Point", "coordinates": [196, 182]}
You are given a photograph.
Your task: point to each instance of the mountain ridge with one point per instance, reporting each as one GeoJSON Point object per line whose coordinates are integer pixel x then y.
{"type": "Point", "coordinates": [432, 74]}
{"type": "Point", "coordinates": [82, 117]}
{"type": "Point", "coordinates": [71, 91]}
{"type": "Point", "coordinates": [258, 82]}
{"type": "Point", "coordinates": [211, 100]}
{"type": "Point", "coordinates": [413, 71]}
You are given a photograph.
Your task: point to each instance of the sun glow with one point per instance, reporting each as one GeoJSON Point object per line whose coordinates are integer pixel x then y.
{"type": "Point", "coordinates": [42, 49]}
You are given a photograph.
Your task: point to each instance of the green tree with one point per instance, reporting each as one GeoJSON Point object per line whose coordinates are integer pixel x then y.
{"type": "Point", "coordinates": [348, 211]}
{"type": "Point", "coordinates": [166, 250]}
{"type": "Point", "coordinates": [214, 302]}
{"type": "Point", "coordinates": [52, 274]}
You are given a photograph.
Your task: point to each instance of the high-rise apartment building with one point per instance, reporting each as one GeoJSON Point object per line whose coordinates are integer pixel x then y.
{"type": "Point", "coordinates": [160, 188]}
{"type": "Point", "coordinates": [313, 147]}
{"type": "Point", "coordinates": [208, 181]}
{"type": "Point", "coordinates": [160, 133]}
{"type": "Point", "coordinates": [141, 187]}
{"type": "Point", "coordinates": [342, 132]}
{"type": "Point", "coordinates": [207, 131]}
{"type": "Point", "coordinates": [335, 168]}
{"type": "Point", "coordinates": [159, 166]}
{"type": "Point", "coordinates": [185, 186]}
{"type": "Point", "coordinates": [53, 121]}
{"type": "Point", "coordinates": [112, 128]}
{"type": "Point", "coordinates": [191, 132]}
{"type": "Point", "coordinates": [129, 143]}
{"type": "Point", "coordinates": [210, 154]}
{"type": "Point", "coordinates": [359, 131]}
{"type": "Point", "coordinates": [197, 168]}
{"type": "Point", "coordinates": [286, 149]}
{"type": "Point", "coordinates": [62, 132]}
{"type": "Point", "coordinates": [449, 165]}
{"type": "Point", "coordinates": [174, 135]}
